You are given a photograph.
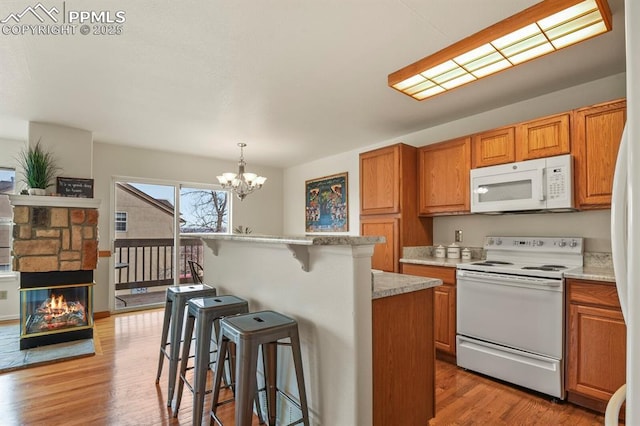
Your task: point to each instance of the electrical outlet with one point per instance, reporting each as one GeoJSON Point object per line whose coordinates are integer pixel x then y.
{"type": "Point", "coordinates": [3, 295]}
{"type": "Point", "coordinates": [458, 235]}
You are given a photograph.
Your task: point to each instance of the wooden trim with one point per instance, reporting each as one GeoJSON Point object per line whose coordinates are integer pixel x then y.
{"type": "Point", "coordinates": [104, 253]}
{"type": "Point", "coordinates": [446, 357]}
{"type": "Point", "coordinates": [101, 314]}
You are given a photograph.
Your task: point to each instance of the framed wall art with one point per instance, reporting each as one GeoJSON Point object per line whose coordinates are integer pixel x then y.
{"type": "Point", "coordinates": [326, 204]}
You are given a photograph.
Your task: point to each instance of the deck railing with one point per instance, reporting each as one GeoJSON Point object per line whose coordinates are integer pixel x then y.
{"type": "Point", "coordinates": [148, 262]}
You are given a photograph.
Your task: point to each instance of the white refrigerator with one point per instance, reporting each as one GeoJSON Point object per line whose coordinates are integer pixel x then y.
{"type": "Point", "coordinates": [625, 224]}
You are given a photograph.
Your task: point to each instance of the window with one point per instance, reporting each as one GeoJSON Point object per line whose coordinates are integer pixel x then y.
{"type": "Point", "coordinates": [121, 221]}
{"type": "Point", "coordinates": [7, 186]}
{"type": "Point", "coordinates": [204, 209]}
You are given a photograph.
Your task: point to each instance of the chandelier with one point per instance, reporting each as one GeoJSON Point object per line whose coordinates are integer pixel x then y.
{"type": "Point", "coordinates": [242, 183]}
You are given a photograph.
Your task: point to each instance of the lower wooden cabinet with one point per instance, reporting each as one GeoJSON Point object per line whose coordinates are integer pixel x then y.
{"type": "Point", "coordinates": [596, 343]}
{"type": "Point", "coordinates": [403, 359]}
{"type": "Point", "coordinates": [445, 305]}
{"type": "Point", "coordinates": [445, 310]}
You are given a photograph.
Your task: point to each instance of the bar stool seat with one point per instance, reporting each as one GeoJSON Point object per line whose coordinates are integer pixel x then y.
{"type": "Point", "coordinates": [249, 332]}
{"type": "Point", "coordinates": [174, 307]}
{"type": "Point", "coordinates": [205, 313]}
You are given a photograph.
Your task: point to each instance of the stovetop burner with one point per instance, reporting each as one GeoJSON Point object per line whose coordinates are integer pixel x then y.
{"type": "Point", "coordinates": [545, 267]}
{"type": "Point", "coordinates": [493, 263]}
{"type": "Point", "coordinates": [539, 257]}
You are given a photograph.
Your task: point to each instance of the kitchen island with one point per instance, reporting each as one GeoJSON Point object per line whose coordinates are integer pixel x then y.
{"type": "Point", "coordinates": [325, 283]}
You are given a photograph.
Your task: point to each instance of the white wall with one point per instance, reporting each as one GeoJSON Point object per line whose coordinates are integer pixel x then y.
{"type": "Point", "coordinates": [592, 225]}
{"type": "Point", "coordinates": [294, 189]}
{"type": "Point", "coordinates": [595, 226]}
{"type": "Point", "coordinates": [332, 304]}
{"type": "Point", "coordinates": [261, 211]}
{"type": "Point", "coordinates": [71, 147]}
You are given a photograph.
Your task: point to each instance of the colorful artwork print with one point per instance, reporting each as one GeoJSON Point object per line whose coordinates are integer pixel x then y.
{"type": "Point", "coordinates": [326, 204]}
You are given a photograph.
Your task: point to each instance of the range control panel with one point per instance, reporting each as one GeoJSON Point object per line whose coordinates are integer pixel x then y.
{"type": "Point", "coordinates": [535, 244]}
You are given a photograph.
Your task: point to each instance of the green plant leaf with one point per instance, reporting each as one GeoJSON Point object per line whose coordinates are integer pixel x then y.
{"type": "Point", "coordinates": [39, 167]}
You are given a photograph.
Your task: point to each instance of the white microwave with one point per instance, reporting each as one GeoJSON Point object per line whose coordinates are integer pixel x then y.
{"type": "Point", "coordinates": [542, 184]}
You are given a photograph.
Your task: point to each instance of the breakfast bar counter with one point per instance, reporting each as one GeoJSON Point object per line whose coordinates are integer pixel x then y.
{"type": "Point", "coordinates": [326, 284]}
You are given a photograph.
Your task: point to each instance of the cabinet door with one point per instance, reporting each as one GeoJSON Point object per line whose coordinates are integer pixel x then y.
{"type": "Point", "coordinates": [493, 147]}
{"type": "Point", "coordinates": [380, 180]}
{"type": "Point", "coordinates": [597, 351]}
{"type": "Point", "coordinates": [386, 255]}
{"type": "Point", "coordinates": [596, 137]}
{"type": "Point", "coordinates": [444, 177]}
{"type": "Point", "coordinates": [445, 318]}
{"type": "Point", "coordinates": [545, 137]}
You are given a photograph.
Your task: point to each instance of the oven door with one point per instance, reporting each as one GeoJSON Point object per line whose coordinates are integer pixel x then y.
{"type": "Point", "coordinates": [524, 313]}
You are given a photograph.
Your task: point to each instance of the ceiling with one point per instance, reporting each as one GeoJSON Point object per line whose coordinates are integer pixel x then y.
{"type": "Point", "coordinates": [294, 79]}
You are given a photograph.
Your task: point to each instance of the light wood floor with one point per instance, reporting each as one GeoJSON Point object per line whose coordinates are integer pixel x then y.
{"type": "Point", "coordinates": [117, 387]}
{"type": "Point", "coordinates": [467, 398]}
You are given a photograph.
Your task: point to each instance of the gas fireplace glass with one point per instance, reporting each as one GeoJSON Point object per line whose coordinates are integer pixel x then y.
{"type": "Point", "coordinates": [55, 309]}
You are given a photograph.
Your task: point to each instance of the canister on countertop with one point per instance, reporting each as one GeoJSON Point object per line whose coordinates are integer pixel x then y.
{"type": "Point", "coordinates": [466, 254]}
{"type": "Point", "coordinates": [440, 251]}
{"type": "Point", "coordinates": [453, 251]}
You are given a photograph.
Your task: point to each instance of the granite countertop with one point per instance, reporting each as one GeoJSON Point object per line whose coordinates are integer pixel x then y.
{"type": "Point", "coordinates": [303, 240]}
{"type": "Point", "coordinates": [597, 265]}
{"type": "Point", "coordinates": [385, 284]}
{"type": "Point", "coordinates": [436, 261]}
{"type": "Point", "coordinates": [592, 273]}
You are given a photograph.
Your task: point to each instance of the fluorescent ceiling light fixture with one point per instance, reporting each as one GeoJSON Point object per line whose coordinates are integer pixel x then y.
{"type": "Point", "coordinates": [539, 30]}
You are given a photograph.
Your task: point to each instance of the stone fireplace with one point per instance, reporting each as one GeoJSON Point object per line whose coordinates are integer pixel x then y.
{"type": "Point", "coordinates": [55, 249]}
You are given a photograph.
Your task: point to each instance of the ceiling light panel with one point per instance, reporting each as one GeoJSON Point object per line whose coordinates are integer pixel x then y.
{"type": "Point", "coordinates": [541, 29]}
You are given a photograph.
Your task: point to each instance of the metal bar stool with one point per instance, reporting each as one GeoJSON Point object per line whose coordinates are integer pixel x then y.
{"type": "Point", "coordinates": [249, 332]}
{"type": "Point", "coordinates": [205, 313]}
{"type": "Point", "coordinates": [176, 300]}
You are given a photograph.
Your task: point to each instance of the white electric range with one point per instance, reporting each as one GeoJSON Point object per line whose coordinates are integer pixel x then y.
{"type": "Point", "coordinates": [510, 310]}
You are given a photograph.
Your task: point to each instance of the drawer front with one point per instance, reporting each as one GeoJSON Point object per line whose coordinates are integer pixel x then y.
{"type": "Point", "coordinates": [447, 275]}
{"type": "Point", "coordinates": [593, 293]}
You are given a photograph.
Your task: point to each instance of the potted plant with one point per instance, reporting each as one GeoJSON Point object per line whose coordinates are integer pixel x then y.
{"type": "Point", "coordinates": [39, 168]}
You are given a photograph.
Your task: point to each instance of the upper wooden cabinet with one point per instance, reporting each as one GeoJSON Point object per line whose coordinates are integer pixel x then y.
{"type": "Point", "coordinates": [544, 137]}
{"type": "Point", "coordinates": [444, 177]}
{"type": "Point", "coordinates": [388, 203]}
{"type": "Point", "coordinates": [493, 147]}
{"type": "Point", "coordinates": [381, 180]}
{"type": "Point", "coordinates": [596, 137]}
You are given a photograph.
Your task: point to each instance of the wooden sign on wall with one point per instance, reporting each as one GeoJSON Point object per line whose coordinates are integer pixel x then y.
{"type": "Point", "coordinates": [75, 187]}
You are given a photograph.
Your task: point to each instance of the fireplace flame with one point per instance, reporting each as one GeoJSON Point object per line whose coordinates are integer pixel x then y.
{"type": "Point", "coordinates": [56, 313]}
{"type": "Point", "coordinates": [57, 305]}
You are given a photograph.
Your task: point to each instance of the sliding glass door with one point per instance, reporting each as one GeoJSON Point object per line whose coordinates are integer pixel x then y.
{"type": "Point", "coordinates": [144, 245]}
{"type": "Point", "coordinates": [149, 254]}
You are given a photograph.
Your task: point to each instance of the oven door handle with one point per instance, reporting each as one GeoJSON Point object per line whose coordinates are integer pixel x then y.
{"type": "Point", "coordinates": [513, 280]}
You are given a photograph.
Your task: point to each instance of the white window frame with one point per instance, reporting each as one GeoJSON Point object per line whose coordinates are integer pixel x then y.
{"type": "Point", "coordinates": [116, 222]}
{"type": "Point", "coordinates": [8, 222]}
